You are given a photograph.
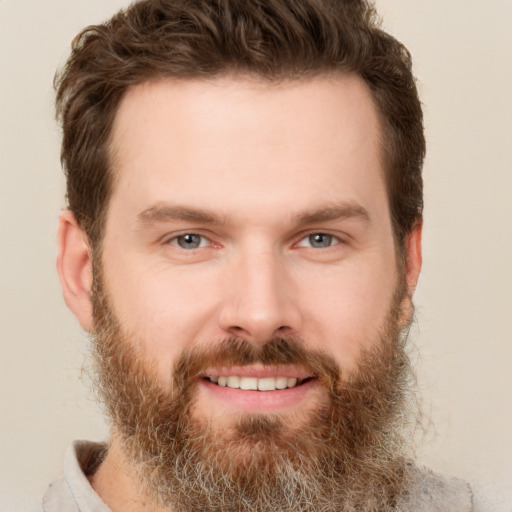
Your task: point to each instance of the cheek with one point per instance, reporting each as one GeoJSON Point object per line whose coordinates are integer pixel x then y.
{"type": "Point", "coordinates": [163, 313]}
{"type": "Point", "coordinates": [349, 311]}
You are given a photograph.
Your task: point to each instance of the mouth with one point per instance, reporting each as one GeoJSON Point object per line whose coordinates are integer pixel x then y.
{"type": "Point", "coordinates": [257, 384]}
{"type": "Point", "coordinates": [254, 388]}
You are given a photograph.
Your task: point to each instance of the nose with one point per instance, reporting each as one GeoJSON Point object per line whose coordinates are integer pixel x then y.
{"type": "Point", "coordinates": [260, 300]}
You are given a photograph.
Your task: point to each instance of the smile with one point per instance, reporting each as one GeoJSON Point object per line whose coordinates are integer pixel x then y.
{"type": "Point", "coordinates": [257, 384]}
{"type": "Point", "coordinates": [258, 388]}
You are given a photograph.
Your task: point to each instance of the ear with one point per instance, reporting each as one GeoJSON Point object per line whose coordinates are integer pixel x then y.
{"type": "Point", "coordinates": [412, 263]}
{"type": "Point", "coordinates": [413, 258]}
{"type": "Point", "coordinates": [74, 266]}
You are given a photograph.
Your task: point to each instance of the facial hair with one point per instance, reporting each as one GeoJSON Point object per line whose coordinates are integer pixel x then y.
{"type": "Point", "coordinates": [348, 453]}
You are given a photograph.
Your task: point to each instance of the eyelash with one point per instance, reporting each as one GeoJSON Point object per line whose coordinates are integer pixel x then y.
{"type": "Point", "coordinates": [175, 240]}
{"type": "Point", "coordinates": [332, 239]}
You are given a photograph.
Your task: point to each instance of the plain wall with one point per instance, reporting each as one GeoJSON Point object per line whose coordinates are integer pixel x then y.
{"type": "Point", "coordinates": [463, 332]}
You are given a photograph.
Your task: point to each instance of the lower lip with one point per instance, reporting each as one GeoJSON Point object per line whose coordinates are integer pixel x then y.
{"type": "Point", "coordinates": [254, 401]}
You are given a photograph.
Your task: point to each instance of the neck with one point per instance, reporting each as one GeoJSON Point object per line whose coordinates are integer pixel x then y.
{"type": "Point", "coordinates": [116, 483]}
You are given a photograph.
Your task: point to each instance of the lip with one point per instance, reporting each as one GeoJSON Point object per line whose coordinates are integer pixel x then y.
{"type": "Point", "coordinates": [258, 401]}
{"type": "Point", "coordinates": [259, 372]}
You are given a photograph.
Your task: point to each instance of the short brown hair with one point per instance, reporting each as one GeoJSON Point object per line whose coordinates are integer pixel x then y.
{"type": "Point", "coordinates": [273, 39]}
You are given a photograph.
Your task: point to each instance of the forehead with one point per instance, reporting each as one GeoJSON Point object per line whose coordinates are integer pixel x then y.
{"type": "Point", "coordinates": [211, 141]}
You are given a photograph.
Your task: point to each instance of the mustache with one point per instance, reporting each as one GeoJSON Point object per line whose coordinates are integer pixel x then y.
{"type": "Point", "coordinates": [279, 351]}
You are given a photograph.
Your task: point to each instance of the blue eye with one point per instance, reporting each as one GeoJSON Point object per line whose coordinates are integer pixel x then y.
{"type": "Point", "coordinates": [190, 241]}
{"type": "Point", "coordinates": [319, 241]}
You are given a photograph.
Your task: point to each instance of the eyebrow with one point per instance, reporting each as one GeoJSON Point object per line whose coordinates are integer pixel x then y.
{"type": "Point", "coordinates": [167, 213]}
{"type": "Point", "coordinates": [336, 212]}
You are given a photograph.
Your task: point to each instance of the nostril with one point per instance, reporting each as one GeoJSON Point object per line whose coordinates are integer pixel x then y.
{"type": "Point", "coordinates": [284, 330]}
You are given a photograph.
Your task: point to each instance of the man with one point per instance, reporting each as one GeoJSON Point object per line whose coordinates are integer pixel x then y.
{"type": "Point", "coordinates": [242, 241]}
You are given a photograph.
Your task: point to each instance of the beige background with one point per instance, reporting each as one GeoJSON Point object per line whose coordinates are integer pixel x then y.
{"type": "Point", "coordinates": [462, 51]}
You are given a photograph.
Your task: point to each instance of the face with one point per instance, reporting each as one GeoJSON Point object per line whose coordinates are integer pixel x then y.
{"type": "Point", "coordinates": [245, 215]}
{"type": "Point", "coordinates": [242, 209]}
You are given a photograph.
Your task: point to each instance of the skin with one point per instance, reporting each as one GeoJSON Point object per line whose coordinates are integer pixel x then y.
{"type": "Point", "coordinates": [255, 169]}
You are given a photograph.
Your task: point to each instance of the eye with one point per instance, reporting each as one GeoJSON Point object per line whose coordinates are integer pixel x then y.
{"type": "Point", "coordinates": [319, 241]}
{"type": "Point", "coordinates": [190, 241]}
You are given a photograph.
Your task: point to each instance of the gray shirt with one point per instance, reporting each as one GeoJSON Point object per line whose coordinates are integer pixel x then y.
{"type": "Point", "coordinates": [73, 492]}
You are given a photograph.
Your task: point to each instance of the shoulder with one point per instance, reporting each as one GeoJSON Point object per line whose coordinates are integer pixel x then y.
{"type": "Point", "coordinates": [58, 497]}
{"type": "Point", "coordinates": [434, 492]}
{"type": "Point", "coordinates": [72, 492]}
{"type": "Point", "coordinates": [492, 495]}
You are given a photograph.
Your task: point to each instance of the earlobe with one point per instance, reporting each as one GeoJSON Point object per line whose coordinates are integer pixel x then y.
{"type": "Point", "coordinates": [74, 266]}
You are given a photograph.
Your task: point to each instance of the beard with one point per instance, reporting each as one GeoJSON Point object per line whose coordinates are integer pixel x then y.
{"type": "Point", "coordinates": [347, 453]}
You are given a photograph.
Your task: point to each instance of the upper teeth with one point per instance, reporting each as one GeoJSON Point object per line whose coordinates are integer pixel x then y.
{"type": "Point", "coordinates": [247, 383]}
